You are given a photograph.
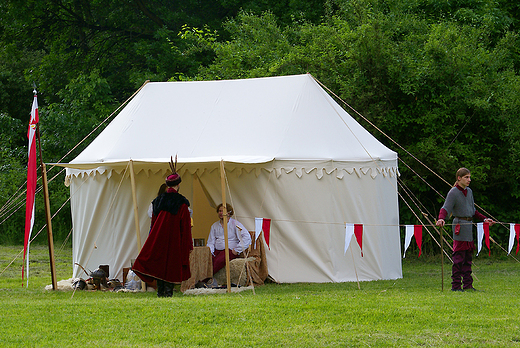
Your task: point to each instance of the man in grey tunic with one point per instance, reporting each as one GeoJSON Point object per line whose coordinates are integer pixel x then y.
{"type": "Point", "coordinates": [459, 203]}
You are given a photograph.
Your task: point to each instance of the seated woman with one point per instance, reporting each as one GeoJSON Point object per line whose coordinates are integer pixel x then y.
{"type": "Point", "coordinates": [239, 238]}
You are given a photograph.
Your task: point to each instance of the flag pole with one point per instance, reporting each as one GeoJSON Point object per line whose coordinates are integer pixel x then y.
{"type": "Point", "coordinates": [32, 179]}
{"type": "Point", "coordinates": [47, 211]}
{"type": "Point", "coordinates": [225, 223]}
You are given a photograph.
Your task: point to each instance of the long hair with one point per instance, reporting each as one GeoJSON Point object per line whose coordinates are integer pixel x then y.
{"type": "Point", "coordinates": [162, 189]}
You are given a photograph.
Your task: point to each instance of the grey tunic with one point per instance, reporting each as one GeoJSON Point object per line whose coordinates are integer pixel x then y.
{"type": "Point", "coordinates": [461, 206]}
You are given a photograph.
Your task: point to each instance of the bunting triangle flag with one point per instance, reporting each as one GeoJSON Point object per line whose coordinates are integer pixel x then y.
{"type": "Point", "coordinates": [258, 228]}
{"type": "Point", "coordinates": [483, 232]}
{"type": "Point", "coordinates": [486, 235]}
{"type": "Point", "coordinates": [351, 230]}
{"type": "Point", "coordinates": [262, 225]}
{"type": "Point", "coordinates": [480, 236]}
{"type": "Point", "coordinates": [358, 231]}
{"type": "Point", "coordinates": [413, 231]}
{"type": "Point", "coordinates": [511, 237]}
{"type": "Point", "coordinates": [408, 234]}
{"type": "Point", "coordinates": [417, 232]}
{"type": "Point", "coordinates": [266, 228]}
{"type": "Point", "coordinates": [517, 232]}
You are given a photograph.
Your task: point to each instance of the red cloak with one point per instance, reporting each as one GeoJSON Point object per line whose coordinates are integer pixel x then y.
{"type": "Point", "coordinates": [166, 253]}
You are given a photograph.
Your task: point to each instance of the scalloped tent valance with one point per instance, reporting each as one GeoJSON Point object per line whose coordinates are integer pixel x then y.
{"type": "Point", "coordinates": [285, 167]}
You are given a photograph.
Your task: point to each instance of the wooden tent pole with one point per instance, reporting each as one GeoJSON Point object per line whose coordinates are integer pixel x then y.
{"type": "Point", "coordinates": [49, 226]}
{"type": "Point", "coordinates": [48, 217]}
{"type": "Point", "coordinates": [136, 215]}
{"type": "Point", "coordinates": [134, 198]}
{"type": "Point", "coordinates": [225, 223]}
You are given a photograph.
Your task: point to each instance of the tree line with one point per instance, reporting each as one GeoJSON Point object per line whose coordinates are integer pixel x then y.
{"type": "Point", "coordinates": [439, 79]}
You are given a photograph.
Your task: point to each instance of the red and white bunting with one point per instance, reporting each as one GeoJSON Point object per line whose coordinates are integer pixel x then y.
{"type": "Point", "coordinates": [416, 231]}
{"type": "Point", "coordinates": [354, 229]}
{"type": "Point", "coordinates": [483, 232]}
{"type": "Point", "coordinates": [514, 232]}
{"type": "Point", "coordinates": [262, 225]}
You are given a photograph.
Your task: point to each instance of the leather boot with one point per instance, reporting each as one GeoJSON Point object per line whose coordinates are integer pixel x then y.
{"type": "Point", "coordinates": [168, 289]}
{"type": "Point", "coordinates": [160, 288]}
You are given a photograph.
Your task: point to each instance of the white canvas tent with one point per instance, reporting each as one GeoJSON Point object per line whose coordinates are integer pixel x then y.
{"type": "Point", "coordinates": [291, 154]}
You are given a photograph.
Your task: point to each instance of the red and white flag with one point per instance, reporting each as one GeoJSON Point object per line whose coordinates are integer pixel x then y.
{"type": "Point", "coordinates": [483, 233]}
{"type": "Point", "coordinates": [354, 229]}
{"type": "Point", "coordinates": [262, 225]}
{"type": "Point", "coordinates": [31, 179]}
{"type": "Point", "coordinates": [514, 232]}
{"type": "Point", "coordinates": [416, 231]}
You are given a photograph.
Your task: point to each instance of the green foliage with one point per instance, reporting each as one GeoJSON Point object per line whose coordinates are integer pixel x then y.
{"type": "Point", "coordinates": [12, 174]}
{"type": "Point", "coordinates": [256, 43]}
{"type": "Point", "coordinates": [440, 78]}
{"type": "Point", "coordinates": [85, 102]}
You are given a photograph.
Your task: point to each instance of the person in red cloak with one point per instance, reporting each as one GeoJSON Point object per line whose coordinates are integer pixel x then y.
{"type": "Point", "coordinates": [165, 256]}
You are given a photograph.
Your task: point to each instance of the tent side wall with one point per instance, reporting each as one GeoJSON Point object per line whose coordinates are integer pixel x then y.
{"type": "Point", "coordinates": [308, 207]}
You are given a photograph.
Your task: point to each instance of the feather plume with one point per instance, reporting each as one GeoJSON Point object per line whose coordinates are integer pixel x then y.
{"type": "Point", "coordinates": [173, 165]}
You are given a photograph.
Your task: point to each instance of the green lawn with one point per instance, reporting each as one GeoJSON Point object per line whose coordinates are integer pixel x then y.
{"type": "Point", "coordinates": [407, 312]}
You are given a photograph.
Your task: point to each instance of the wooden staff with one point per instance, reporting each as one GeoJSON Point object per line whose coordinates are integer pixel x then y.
{"type": "Point", "coordinates": [225, 222]}
{"type": "Point", "coordinates": [441, 232]}
{"type": "Point", "coordinates": [48, 217]}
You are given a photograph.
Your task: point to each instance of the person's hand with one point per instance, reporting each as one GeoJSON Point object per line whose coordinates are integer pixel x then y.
{"type": "Point", "coordinates": [234, 252]}
{"type": "Point", "coordinates": [440, 222]}
{"type": "Point", "coordinates": [491, 222]}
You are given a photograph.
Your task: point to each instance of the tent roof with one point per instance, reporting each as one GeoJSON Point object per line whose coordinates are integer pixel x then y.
{"type": "Point", "coordinates": [243, 121]}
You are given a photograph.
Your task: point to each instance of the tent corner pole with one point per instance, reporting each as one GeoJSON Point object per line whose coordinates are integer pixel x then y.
{"type": "Point", "coordinates": [49, 226]}
{"type": "Point", "coordinates": [225, 223]}
{"type": "Point", "coordinates": [136, 215]}
{"type": "Point", "coordinates": [134, 199]}
{"type": "Point", "coordinates": [48, 216]}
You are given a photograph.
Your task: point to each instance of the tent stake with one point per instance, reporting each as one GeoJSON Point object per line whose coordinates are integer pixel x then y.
{"type": "Point", "coordinates": [225, 222]}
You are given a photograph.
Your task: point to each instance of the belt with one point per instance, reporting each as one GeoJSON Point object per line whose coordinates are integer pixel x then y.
{"type": "Point", "coordinates": [464, 218]}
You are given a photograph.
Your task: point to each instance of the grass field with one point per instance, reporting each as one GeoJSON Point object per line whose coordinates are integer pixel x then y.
{"type": "Point", "coordinates": [408, 312]}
